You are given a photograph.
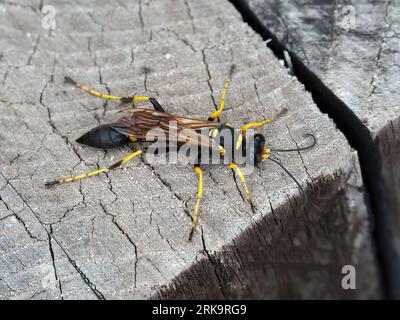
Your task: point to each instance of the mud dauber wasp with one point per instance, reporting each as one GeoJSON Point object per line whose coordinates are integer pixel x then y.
{"type": "Point", "coordinates": [139, 122]}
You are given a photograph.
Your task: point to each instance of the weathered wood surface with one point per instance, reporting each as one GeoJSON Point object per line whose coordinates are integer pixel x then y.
{"type": "Point", "coordinates": [354, 48]}
{"type": "Point", "coordinates": [124, 234]}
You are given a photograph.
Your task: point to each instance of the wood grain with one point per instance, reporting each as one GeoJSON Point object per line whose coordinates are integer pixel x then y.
{"type": "Point", "coordinates": [123, 235]}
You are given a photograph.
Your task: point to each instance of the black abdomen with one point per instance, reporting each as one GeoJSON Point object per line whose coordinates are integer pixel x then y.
{"type": "Point", "coordinates": [103, 137]}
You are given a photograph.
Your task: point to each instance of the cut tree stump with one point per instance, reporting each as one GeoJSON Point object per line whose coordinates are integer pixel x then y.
{"type": "Point", "coordinates": [123, 235]}
{"type": "Point", "coordinates": [354, 49]}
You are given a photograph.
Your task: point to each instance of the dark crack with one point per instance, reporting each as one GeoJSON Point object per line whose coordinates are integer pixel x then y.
{"type": "Point", "coordinates": [115, 222]}
{"type": "Point", "coordinates": [54, 128]}
{"type": "Point", "coordinates": [378, 57]}
{"type": "Point", "coordinates": [185, 41]}
{"type": "Point", "coordinates": [69, 210]}
{"type": "Point", "coordinates": [91, 15]}
{"type": "Point", "coordinates": [165, 239]}
{"type": "Point", "coordinates": [54, 264]}
{"type": "Point", "coordinates": [33, 51]}
{"type": "Point", "coordinates": [92, 235]}
{"type": "Point", "coordinates": [132, 57]}
{"type": "Point", "coordinates": [110, 187]}
{"type": "Point", "coordinates": [19, 219]}
{"type": "Point", "coordinates": [140, 13]}
{"type": "Point", "coordinates": [146, 72]}
{"type": "Point", "coordinates": [209, 78]}
{"type": "Point", "coordinates": [216, 265]}
{"type": "Point", "coordinates": [167, 185]}
{"type": "Point", "coordinates": [239, 188]}
{"type": "Point", "coordinates": [4, 78]}
{"type": "Point", "coordinates": [299, 152]}
{"type": "Point", "coordinates": [36, 294]}
{"type": "Point", "coordinates": [22, 222]}
{"type": "Point", "coordinates": [190, 15]}
{"type": "Point", "coordinates": [6, 217]}
{"type": "Point", "coordinates": [151, 217]}
{"type": "Point", "coordinates": [155, 267]}
{"type": "Point", "coordinates": [257, 93]}
{"type": "Point", "coordinates": [92, 286]}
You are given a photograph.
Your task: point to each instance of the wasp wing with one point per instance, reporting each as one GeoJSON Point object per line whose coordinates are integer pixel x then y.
{"type": "Point", "coordinates": [152, 125]}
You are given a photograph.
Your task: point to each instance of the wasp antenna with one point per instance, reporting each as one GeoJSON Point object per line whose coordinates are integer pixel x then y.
{"type": "Point", "coordinates": [292, 177]}
{"type": "Point", "coordinates": [287, 171]}
{"type": "Point", "coordinates": [313, 143]}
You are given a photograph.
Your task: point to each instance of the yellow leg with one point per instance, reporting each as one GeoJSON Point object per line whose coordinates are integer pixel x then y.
{"type": "Point", "coordinates": [95, 172]}
{"type": "Point", "coordinates": [106, 96]}
{"type": "Point", "coordinates": [261, 123]}
{"type": "Point", "coordinates": [199, 195]}
{"type": "Point", "coordinates": [265, 154]}
{"type": "Point", "coordinates": [239, 172]}
{"type": "Point", "coordinates": [217, 113]}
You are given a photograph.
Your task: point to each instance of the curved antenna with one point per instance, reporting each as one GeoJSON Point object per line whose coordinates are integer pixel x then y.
{"type": "Point", "coordinates": [288, 173]}
{"type": "Point", "coordinates": [293, 178]}
{"type": "Point", "coordinates": [299, 149]}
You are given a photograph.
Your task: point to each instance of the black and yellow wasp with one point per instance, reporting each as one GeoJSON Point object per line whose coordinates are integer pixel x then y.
{"type": "Point", "coordinates": [138, 124]}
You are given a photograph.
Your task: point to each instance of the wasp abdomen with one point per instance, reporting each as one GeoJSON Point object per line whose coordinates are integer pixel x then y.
{"type": "Point", "coordinates": [103, 137]}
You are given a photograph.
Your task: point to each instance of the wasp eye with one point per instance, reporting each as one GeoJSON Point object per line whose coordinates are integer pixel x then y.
{"type": "Point", "coordinates": [259, 142]}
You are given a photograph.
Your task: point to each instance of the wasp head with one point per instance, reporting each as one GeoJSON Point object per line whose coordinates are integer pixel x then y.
{"type": "Point", "coordinates": [256, 148]}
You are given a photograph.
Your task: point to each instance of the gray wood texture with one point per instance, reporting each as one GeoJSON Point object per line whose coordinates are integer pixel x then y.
{"type": "Point", "coordinates": [123, 235]}
{"type": "Point", "coordinates": [353, 46]}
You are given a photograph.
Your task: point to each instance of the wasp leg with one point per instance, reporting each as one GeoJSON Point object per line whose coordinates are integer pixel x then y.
{"type": "Point", "coordinates": [217, 113]}
{"type": "Point", "coordinates": [123, 100]}
{"type": "Point", "coordinates": [261, 123]}
{"type": "Point", "coordinates": [239, 172]}
{"type": "Point", "coordinates": [95, 172]}
{"type": "Point", "coordinates": [199, 195]}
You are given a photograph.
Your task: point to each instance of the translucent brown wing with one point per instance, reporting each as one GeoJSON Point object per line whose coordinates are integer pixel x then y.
{"type": "Point", "coordinates": [152, 125]}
